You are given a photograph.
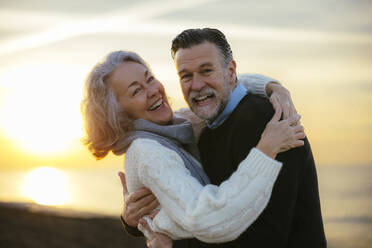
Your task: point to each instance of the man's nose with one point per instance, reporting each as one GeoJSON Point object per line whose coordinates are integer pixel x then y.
{"type": "Point", "coordinates": [197, 83]}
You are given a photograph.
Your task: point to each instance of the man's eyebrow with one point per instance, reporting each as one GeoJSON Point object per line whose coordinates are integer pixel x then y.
{"type": "Point", "coordinates": [205, 64]}
{"type": "Point", "coordinates": [201, 66]}
{"type": "Point", "coordinates": [182, 71]}
{"type": "Point", "coordinates": [136, 82]}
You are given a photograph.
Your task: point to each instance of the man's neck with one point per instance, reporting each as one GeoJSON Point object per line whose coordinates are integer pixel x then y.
{"type": "Point", "coordinates": [235, 97]}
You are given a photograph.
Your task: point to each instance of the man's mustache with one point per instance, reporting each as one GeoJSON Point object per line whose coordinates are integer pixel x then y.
{"type": "Point", "coordinates": [203, 92]}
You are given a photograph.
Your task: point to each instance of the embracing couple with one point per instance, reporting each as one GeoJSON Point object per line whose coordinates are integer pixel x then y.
{"type": "Point", "coordinates": [235, 171]}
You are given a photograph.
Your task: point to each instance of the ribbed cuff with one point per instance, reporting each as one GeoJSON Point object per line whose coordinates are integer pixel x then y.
{"type": "Point", "coordinates": [258, 162]}
{"type": "Point", "coordinates": [129, 229]}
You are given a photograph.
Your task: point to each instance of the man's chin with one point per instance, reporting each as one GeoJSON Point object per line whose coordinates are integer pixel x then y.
{"type": "Point", "coordinates": [205, 113]}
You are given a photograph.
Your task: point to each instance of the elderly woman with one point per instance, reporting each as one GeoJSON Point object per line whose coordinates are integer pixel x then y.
{"type": "Point", "coordinates": [126, 110]}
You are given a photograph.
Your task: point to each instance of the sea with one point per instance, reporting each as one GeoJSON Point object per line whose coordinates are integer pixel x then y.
{"type": "Point", "coordinates": [345, 192]}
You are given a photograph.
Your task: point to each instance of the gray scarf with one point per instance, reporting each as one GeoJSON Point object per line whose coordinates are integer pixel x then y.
{"type": "Point", "coordinates": [178, 136]}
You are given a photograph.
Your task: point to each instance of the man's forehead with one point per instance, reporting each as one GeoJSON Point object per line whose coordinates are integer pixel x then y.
{"type": "Point", "coordinates": [203, 49]}
{"type": "Point", "coordinates": [196, 56]}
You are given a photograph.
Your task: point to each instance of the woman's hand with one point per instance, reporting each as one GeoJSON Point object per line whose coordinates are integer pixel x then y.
{"type": "Point", "coordinates": [280, 97]}
{"type": "Point", "coordinates": [136, 204]}
{"type": "Point", "coordinates": [154, 239]}
{"type": "Point", "coordinates": [280, 136]}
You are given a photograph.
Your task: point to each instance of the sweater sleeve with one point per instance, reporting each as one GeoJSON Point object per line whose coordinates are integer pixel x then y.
{"type": "Point", "coordinates": [133, 231]}
{"type": "Point", "coordinates": [255, 83]}
{"type": "Point", "coordinates": [294, 206]}
{"type": "Point", "coordinates": [212, 214]}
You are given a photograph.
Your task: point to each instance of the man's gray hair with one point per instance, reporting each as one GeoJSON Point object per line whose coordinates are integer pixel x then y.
{"type": "Point", "coordinates": [192, 37]}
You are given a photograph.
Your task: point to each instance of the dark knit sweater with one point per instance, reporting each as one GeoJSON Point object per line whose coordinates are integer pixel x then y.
{"type": "Point", "coordinates": [293, 216]}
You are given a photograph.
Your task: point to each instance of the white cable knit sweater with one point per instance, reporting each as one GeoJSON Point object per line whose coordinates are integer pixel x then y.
{"type": "Point", "coordinates": [212, 213]}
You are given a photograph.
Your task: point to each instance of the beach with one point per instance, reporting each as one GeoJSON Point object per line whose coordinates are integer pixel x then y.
{"type": "Point", "coordinates": [92, 219]}
{"type": "Point", "coordinates": [33, 226]}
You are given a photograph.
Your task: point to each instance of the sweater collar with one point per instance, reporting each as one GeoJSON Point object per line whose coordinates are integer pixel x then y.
{"type": "Point", "coordinates": [236, 96]}
{"type": "Point", "coordinates": [179, 131]}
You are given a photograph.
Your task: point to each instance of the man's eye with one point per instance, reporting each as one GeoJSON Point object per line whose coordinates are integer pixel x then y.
{"type": "Point", "coordinates": [185, 77]}
{"type": "Point", "coordinates": [206, 71]}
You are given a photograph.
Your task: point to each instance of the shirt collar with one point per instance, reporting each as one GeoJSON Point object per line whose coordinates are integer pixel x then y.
{"type": "Point", "coordinates": [236, 96]}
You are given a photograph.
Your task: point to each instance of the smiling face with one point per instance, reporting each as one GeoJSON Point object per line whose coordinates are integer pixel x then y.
{"type": "Point", "coordinates": [139, 93]}
{"type": "Point", "coordinates": [206, 83]}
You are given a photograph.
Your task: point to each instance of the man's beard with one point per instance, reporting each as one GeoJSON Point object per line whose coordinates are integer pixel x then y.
{"type": "Point", "coordinates": [206, 113]}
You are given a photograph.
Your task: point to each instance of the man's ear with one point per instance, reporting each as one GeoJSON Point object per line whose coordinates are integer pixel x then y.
{"type": "Point", "coordinates": [232, 72]}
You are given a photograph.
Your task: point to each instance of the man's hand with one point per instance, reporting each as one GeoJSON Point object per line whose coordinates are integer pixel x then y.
{"type": "Point", "coordinates": [156, 240]}
{"type": "Point", "coordinates": [280, 97]}
{"type": "Point", "coordinates": [136, 204]}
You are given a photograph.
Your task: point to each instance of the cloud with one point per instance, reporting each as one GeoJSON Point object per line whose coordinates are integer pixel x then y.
{"type": "Point", "coordinates": [122, 20]}
{"type": "Point", "coordinates": [346, 15]}
{"type": "Point", "coordinates": [139, 19]}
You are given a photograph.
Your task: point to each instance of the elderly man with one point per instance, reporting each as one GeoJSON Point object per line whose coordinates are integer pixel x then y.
{"type": "Point", "coordinates": [235, 120]}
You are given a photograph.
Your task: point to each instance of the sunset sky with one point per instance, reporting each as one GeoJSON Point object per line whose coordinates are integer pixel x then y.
{"type": "Point", "coordinates": [320, 50]}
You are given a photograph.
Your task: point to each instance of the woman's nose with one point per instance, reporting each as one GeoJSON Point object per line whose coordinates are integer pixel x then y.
{"type": "Point", "coordinates": [152, 91]}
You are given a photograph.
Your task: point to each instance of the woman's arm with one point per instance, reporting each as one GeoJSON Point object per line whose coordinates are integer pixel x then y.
{"type": "Point", "coordinates": [210, 213]}
{"type": "Point", "coordinates": [257, 84]}
{"type": "Point", "coordinates": [277, 137]}
{"type": "Point", "coordinates": [279, 96]}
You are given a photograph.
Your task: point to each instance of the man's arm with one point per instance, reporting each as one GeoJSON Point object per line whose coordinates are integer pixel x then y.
{"type": "Point", "coordinates": [307, 227]}
{"type": "Point", "coordinates": [139, 203]}
{"type": "Point", "coordinates": [276, 226]}
{"type": "Point", "coordinates": [133, 231]}
{"type": "Point", "coordinates": [273, 227]}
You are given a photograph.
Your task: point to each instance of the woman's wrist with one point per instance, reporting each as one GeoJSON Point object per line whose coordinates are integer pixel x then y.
{"type": "Point", "coordinates": [267, 149]}
{"type": "Point", "coordinates": [271, 87]}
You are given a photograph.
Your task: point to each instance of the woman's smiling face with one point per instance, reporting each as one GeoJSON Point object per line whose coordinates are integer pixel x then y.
{"type": "Point", "coordinates": [139, 93]}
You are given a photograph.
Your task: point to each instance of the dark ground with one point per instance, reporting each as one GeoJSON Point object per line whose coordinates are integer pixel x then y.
{"type": "Point", "coordinates": [23, 226]}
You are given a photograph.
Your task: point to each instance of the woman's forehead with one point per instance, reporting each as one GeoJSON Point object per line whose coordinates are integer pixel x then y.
{"type": "Point", "coordinates": [128, 72]}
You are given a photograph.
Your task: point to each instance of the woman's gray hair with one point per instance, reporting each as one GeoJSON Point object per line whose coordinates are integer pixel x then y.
{"type": "Point", "coordinates": [104, 119]}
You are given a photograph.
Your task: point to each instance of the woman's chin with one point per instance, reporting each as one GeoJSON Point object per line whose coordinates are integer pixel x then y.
{"type": "Point", "coordinates": [161, 118]}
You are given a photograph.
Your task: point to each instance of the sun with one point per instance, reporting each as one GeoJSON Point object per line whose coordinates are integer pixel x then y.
{"type": "Point", "coordinates": [47, 186]}
{"type": "Point", "coordinates": [40, 111]}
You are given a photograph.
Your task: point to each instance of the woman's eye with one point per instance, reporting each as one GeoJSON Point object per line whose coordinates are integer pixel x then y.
{"type": "Point", "coordinates": [136, 91]}
{"type": "Point", "coordinates": [150, 79]}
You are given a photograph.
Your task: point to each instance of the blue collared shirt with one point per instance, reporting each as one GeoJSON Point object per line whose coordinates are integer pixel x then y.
{"type": "Point", "coordinates": [236, 96]}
